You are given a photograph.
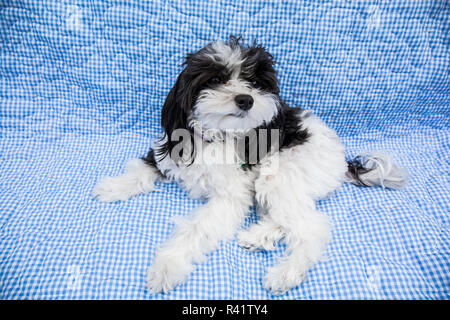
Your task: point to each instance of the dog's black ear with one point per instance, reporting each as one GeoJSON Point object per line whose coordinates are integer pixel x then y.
{"type": "Point", "coordinates": [174, 111]}
{"type": "Point", "coordinates": [261, 64]}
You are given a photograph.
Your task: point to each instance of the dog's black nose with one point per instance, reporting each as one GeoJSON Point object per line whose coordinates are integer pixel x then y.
{"type": "Point", "coordinates": [244, 101]}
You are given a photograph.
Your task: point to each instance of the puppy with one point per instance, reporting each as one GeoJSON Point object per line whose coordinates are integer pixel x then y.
{"type": "Point", "coordinates": [229, 138]}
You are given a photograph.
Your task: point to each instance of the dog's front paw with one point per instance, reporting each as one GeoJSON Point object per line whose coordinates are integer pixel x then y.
{"type": "Point", "coordinates": [165, 273]}
{"type": "Point", "coordinates": [282, 278]}
{"type": "Point", "coordinates": [111, 189]}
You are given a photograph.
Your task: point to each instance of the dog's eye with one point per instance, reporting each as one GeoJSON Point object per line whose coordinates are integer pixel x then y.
{"type": "Point", "coordinates": [256, 84]}
{"type": "Point", "coordinates": [214, 81]}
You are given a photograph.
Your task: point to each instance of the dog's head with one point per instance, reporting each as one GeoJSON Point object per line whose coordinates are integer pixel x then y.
{"type": "Point", "coordinates": [225, 85]}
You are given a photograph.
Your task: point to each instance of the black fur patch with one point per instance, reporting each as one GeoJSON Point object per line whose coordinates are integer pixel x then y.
{"type": "Point", "coordinates": [258, 69]}
{"type": "Point", "coordinates": [291, 134]}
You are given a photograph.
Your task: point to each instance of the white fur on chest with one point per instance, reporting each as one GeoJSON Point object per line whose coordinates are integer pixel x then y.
{"type": "Point", "coordinates": [216, 169]}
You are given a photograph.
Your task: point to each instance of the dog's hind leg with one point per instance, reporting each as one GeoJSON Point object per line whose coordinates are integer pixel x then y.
{"type": "Point", "coordinates": [303, 174]}
{"type": "Point", "coordinates": [291, 212]}
{"type": "Point", "coordinates": [139, 177]}
{"type": "Point", "coordinates": [307, 232]}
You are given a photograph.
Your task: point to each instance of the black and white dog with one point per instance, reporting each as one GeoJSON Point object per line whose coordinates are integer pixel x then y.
{"type": "Point", "coordinates": [226, 90]}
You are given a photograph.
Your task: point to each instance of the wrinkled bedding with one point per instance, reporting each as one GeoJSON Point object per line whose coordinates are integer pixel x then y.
{"type": "Point", "coordinates": [81, 89]}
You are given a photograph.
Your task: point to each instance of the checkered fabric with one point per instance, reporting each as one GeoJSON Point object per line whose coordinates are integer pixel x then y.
{"type": "Point", "coordinates": [81, 89]}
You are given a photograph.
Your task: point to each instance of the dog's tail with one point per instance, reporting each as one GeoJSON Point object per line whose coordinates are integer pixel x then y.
{"type": "Point", "coordinates": [375, 169]}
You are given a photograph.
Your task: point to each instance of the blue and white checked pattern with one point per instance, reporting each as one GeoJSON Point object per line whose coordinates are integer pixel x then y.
{"type": "Point", "coordinates": [81, 88]}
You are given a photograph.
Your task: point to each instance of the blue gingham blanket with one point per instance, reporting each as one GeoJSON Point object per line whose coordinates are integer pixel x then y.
{"type": "Point", "coordinates": [81, 89]}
